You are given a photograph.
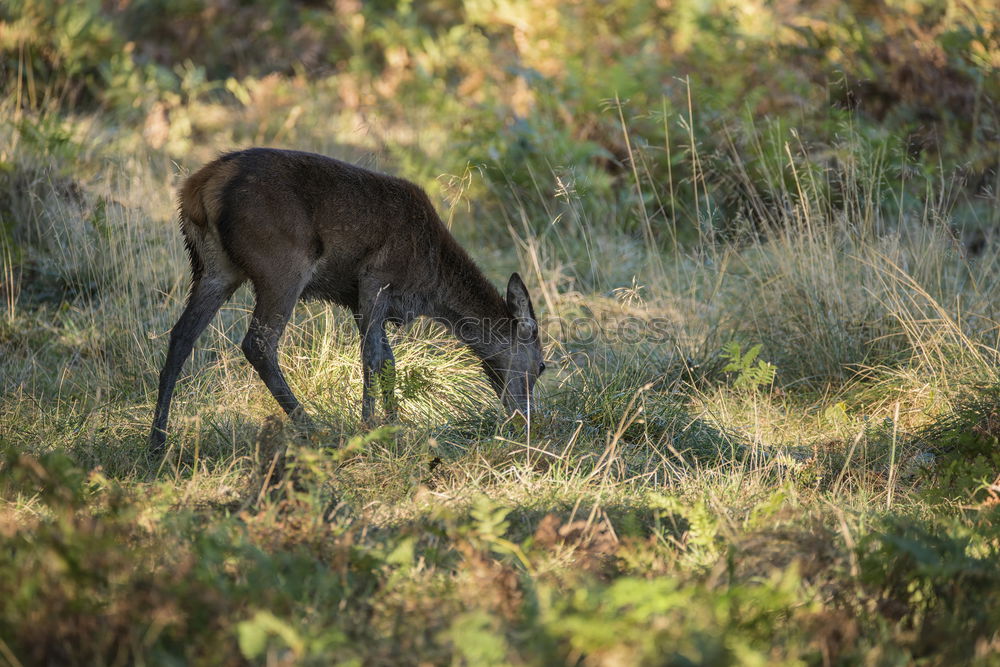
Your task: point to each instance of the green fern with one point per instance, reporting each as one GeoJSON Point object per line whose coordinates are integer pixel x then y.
{"type": "Point", "coordinates": [748, 375]}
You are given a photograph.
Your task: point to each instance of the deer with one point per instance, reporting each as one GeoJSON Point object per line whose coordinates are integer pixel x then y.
{"type": "Point", "coordinates": [298, 225]}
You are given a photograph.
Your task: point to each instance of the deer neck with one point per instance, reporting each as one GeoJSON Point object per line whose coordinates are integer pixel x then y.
{"type": "Point", "coordinates": [469, 305]}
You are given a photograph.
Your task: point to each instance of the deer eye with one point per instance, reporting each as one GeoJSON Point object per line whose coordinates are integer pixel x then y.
{"type": "Point", "coordinates": [541, 367]}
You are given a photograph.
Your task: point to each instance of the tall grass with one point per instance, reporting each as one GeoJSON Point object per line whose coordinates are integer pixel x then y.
{"type": "Point", "coordinates": [842, 297]}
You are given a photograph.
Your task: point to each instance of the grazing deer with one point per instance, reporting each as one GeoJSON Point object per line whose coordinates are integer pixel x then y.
{"type": "Point", "coordinates": [299, 225]}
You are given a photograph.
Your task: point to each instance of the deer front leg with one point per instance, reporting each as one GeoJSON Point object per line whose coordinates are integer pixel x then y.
{"type": "Point", "coordinates": [388, 373]}
{"type": "Point", "coordinates": [378, 372]}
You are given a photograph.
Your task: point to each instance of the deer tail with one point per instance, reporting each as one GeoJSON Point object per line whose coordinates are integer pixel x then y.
{"type": "Point", "coordinates": [200, 204]}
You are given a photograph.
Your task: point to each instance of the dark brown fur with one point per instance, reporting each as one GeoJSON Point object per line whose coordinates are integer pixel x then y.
{"type": "Point", "coordinates": [299, 225]}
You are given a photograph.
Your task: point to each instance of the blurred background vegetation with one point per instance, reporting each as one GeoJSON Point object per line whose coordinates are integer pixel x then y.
{"type": "Point", "coordinates": [538, 95]}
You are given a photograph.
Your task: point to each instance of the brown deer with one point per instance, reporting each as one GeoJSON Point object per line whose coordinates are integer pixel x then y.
{"type": "Point", "coordinates": [299, 225]}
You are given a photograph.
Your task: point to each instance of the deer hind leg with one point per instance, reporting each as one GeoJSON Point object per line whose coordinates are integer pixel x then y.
{"type": "Point", "coordinates": [270, 316]}
{"type": "Point", "coordinates": [208, 293]}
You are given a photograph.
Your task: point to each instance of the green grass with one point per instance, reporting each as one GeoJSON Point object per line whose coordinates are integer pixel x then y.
{"type": "Point", "coordinates": [667, 499]}
{"type": "Point", "coordinates": [769, 434]}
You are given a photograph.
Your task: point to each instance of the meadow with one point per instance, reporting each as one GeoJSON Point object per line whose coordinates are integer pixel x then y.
{"type": "Point", "coordinates": [762, 241]}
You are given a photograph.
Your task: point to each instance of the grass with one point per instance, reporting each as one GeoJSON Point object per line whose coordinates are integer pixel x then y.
{"type": "Point", "coordinates": [666, 499]}
{"type": "Point", "coordinates": [768, 435]}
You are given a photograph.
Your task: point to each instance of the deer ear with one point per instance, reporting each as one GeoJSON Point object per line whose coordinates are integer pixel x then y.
{"type": "Point", "coordinates": [519, 303]}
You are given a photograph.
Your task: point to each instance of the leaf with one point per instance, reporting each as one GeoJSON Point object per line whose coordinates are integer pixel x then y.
{"type": "Point", "coordinates": [252, 638]}
{"type": "Point", "coordinates": [731, 351]}
{"type": "Point", "coordinates": [253, 635]}
{"type": "Point", "coordinates": [402, 555]}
